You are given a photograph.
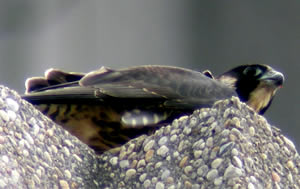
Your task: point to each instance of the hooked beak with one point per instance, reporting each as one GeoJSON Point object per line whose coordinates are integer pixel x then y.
{"type": "Point", "coordinates": [274, 78]}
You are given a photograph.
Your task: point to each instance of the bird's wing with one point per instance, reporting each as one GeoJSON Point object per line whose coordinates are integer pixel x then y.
{"type": "Point", "coordinates": [174, 86]}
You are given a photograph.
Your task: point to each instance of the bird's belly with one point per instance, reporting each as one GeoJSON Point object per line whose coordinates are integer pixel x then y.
{"type": "Point", "coordinates": [100, 127]}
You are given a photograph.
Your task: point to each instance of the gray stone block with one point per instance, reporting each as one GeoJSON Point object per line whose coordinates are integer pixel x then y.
{"type": "Point", "coordinates": [226, 146]}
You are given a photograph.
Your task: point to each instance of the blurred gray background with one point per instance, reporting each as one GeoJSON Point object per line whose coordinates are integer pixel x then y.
{"type": "Point", "coordinates": [216, 35]}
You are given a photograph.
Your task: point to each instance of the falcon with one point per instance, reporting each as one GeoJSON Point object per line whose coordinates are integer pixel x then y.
{"type": "Point", "coordinates": [106, 108]}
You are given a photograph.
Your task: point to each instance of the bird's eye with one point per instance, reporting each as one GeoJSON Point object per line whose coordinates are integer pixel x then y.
{"type": "Point", "coordinates": [251, 71]}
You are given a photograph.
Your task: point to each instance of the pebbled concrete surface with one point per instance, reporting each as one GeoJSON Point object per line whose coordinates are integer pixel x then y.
{"type": "Point", "coordinates": [226, 146]}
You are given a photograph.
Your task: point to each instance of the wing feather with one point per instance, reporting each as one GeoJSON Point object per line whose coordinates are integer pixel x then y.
{"type": "Point", "coordinates": [170, 86]}
{"type": "Point", "coordinates": [177, 85]}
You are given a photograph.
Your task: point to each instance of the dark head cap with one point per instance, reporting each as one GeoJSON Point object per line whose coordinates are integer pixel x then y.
{"type": "Point", "coordinates": [255, 84]}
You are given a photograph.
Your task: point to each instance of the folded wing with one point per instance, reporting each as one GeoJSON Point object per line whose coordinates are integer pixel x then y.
{"type": "Point", "coordinates": [173, 86]}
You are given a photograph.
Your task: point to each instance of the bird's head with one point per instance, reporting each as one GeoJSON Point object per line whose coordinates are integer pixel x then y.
{"type": "Point", "coordinates": [255, 84]}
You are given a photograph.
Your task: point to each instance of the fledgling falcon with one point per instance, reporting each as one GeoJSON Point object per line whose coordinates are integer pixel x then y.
{"type": "Point", "coordinates": [106, 108]}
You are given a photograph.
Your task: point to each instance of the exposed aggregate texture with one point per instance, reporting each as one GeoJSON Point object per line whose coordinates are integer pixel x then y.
{"type": "Point", "coordinates": [226, 146]}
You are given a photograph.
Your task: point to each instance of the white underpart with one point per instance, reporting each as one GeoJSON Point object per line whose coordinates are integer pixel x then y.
{"type": "Point", "coordinates": [135, 118]}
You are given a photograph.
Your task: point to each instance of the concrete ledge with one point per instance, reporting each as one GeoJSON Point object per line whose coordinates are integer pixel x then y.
{"type": "Point", "coordinates": [226, 146]}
